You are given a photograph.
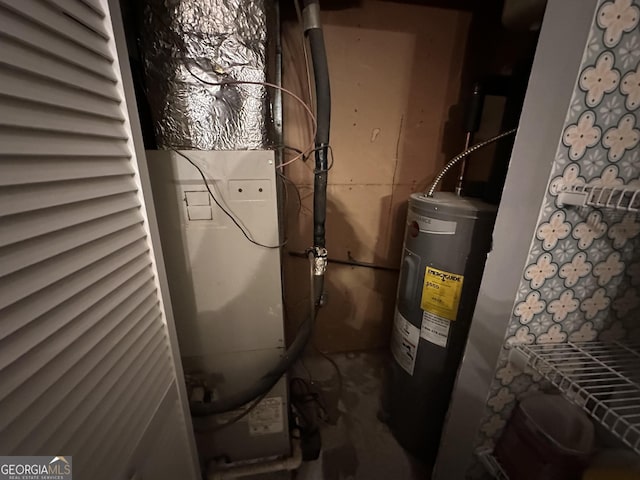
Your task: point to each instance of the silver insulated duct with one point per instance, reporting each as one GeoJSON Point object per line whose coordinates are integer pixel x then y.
{"type": "Point", "coordinates": [216, 41]}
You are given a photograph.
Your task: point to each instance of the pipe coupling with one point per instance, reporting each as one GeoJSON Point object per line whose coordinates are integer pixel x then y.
{"type": "Point", "coordinates": [319, 261]}
{"type": "Point", "coordinates": [311, 16]}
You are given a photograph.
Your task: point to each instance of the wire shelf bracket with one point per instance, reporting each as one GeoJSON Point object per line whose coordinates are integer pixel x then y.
{"type": "Point", "coordinates": [626, 198]}
{"type": "Point", "coordinates": [601, 378]}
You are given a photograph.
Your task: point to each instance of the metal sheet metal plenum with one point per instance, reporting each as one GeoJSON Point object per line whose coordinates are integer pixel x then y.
{"type": "Point", "coordinates": [216, 40]}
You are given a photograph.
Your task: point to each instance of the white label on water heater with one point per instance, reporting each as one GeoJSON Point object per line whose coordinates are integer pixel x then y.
{"type": "Point", "coordinates": [432, 225]}
{"type": "Point", "coordinates": [435, 329]}
{"type": "Point", "coordinates": [404, 342]}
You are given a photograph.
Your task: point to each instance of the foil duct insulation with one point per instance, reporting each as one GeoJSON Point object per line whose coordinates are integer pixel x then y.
{"type": "Point", "coordinates": [216, 41]}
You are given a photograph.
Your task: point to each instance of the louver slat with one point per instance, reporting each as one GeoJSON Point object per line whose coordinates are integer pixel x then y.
{"type": "Point", "coordinates": [21, 227]}
{"type": "Point", "coordinates": [18, 27]}
{"type": "Point", "coordinates": [89, 18]}
{"type": "Point", "coordinates": [101, 381]}
{"type": "Point", "coordinates": [20, 199]}
{"type": "Point", "coordinates": [24, 170]}
{"type": "Point", "coordinates": [52, 19]}
{"type": "Point", "coordinates": [21, 313]}
{"type": "Point", "coordinates": [39, 249]}
{"type": "Point", "coordinates": [23, 85]}
{"type": "Point", "coordinates": [123, 283]}
{"type": "Point", "coordinates": [21, 57]}
{"type": "Point", "coordinates": [36, 277]}
{"type": "Point", "coordinates": [33, 116]}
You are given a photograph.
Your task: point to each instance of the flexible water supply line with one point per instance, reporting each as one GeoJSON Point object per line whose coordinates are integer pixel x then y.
{"type": "Point", "coordinates": [465, 154]}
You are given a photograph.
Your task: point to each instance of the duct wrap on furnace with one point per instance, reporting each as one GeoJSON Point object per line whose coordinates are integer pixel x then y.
{"type": "Point", "coordinates": [216, 41]}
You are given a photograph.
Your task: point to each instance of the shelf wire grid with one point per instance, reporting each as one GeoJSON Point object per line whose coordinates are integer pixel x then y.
{"type": "Point", "coordinates": [602, 378]}
{"type": "Point", "coordinates": [617, 198]}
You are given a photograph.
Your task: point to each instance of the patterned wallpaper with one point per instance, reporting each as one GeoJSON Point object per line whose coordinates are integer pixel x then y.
{"type": "Point", "coordinates": [582, 278]}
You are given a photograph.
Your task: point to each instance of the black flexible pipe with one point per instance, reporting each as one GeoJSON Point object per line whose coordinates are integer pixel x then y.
{"type": "Point", "coordinates": [266, 383]}
{"type": "Point", "coordinates": [314, 33]}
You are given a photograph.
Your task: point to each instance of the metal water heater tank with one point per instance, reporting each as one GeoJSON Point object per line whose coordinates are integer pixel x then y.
{"type": "Point", "coordinates": [446, 243]}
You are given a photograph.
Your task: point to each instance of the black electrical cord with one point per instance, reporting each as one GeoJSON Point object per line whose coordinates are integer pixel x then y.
{"type": "Point", "coordinates": [224, 210]}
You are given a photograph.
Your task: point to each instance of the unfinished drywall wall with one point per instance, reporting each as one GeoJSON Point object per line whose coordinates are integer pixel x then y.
{"type": "Point", "coordinates": [395, 76]}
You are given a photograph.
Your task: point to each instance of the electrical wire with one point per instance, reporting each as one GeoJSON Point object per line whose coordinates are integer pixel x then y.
{"type": "Point", "coordinates": [306, 155]}
{"type": "Point", "coordinates": [334, 364]}
{"type": "Point", "coordinates": [309, 404]}
{"type": "Point", "coordinates": [294, 159]}
{"type": "Point", "coordinates": [331, 159]}
{"type": "Point", "coordinates": [293, 184]}
{"type": "Point", "coordinates": [462, 155]}
{"type": "Point", "coordinates": [224, 210]}
{"type": "Point", "coordinates": [285, 193]}
{"type": "Point", "coordinates": [287, 147]}
{"type": "Point", "coordinates": [306, 107]}
{"type": "Point", "coordinates": [319, 385]}
{"type": "Point", "coordinates": [295, 187]}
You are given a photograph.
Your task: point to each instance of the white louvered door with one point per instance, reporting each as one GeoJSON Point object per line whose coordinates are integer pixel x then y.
{"type": "Point", "coordinates": [87, 355]}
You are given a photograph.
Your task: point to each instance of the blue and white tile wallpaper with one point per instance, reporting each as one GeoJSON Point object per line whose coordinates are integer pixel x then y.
{"type": "Point", "coordinates": [582, 278]}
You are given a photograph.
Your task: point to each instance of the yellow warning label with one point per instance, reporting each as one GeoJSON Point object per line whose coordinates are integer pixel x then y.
{"type": "Point", "coordinates": [441, 293]}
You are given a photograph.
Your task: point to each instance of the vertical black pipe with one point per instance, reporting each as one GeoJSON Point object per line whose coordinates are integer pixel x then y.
{"type": "Point", "coordinates": [313, 30]}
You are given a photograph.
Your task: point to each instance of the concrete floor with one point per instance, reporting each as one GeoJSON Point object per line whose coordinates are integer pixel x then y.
{"type": "Point", "coordinates": [355, 444]}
